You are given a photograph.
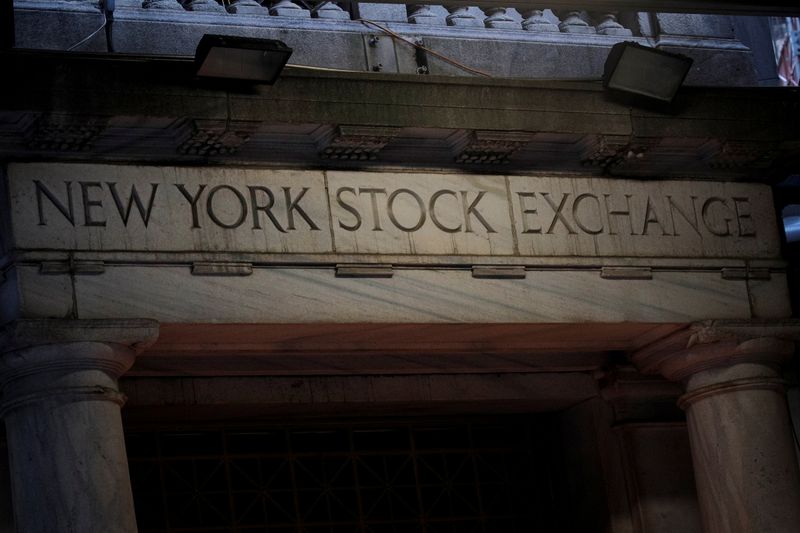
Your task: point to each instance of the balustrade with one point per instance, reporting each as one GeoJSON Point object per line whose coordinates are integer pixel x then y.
{"type": "Point", "coordinates": [422, 14]}
{"type": "Point", "coordinates": [203, 5]}
{"type": "Point", "coordinates": [287, 8]}
{"type": "Point", "coordinates": [330, 10]}
{"type": "Point", "coordinates": [497, 17]}
{"type": "Point", "coordinates": [536, 21]}
{"type": "Point", "coordinates": [247, 7]}
{"type": "Point", "coordinates": [574, 22]}
{"type": "Point", "coordinates": [462, 16]}
{"type": "Point", "coordinates": [533, 20]}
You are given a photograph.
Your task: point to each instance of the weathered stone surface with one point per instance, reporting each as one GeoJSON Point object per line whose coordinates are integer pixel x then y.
{"type": "Point", "coordinates": [293, 295]}
{"type": "Point", "coordinates": [155, 209]}
{"type": "Point", "coordinates": [407, 214]}
{"type": "Point", "coordinates": [61, 408]}
{"type": "Point", "coordinates": [637, 218]}
{"type": "Point", "coordinates": [177, 209]}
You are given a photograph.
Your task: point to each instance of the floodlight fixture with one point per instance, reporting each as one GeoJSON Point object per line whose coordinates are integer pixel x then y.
{"type": "Point", "coordinates": [241, 58]}
{"type": "Point", "coordinates": [644, 75]}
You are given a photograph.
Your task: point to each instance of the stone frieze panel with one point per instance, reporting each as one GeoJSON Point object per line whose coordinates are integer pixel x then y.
{"type": "Point", "coordinates": [107, 208]}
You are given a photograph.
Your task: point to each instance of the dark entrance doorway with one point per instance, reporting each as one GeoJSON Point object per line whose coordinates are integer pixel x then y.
{"type": "Point", "coordinates": [434, 476]}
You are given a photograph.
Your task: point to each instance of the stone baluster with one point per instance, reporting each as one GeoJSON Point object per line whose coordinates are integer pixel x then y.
{"type": "Point", "coordinates": [287, 8]}
{"type": "Point", "coordinates": [207, 6]}
{"type": "Point", "coordinates": [608, 24]}
{"type": "Point", "coordinates": [247, 7]}
{"type": "Point", "coordinates": [422, 14]}
{"type": "Point", "coordinates": [496, 17]}
{"type": "Point", "coordinates": [462, 16]}
{"type": "Point", "coordinates": [536, 21]}
{"type": "Point", "coordinates": [130, 4]}
{"type": "Point", "coordinates": [61, 406]}
{"type": "Point", "coordinates": [330, 10]}
{"type": "Point", "coordinates": [573, 22]}
{"type": "Point", "coordinates": [162, 4]}
{"type": "Point", "coordinates": [739, 428]}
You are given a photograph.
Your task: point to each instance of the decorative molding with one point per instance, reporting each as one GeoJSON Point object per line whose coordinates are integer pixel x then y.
{"type": "Point", "coordinates": [490, 147]}
{"type": "Point", "coordinates": [137, 334]}
{"type": "Point", "coordinates": [211, 137]}
{"type": "Point", "coordinates": [355, 143]}
{"type": "Point", "coordinates": [614, 151]}
{"type": "Point", "coordinates": [55, 133]}
{"type": "Point", "coordinates": [732, 155]}
{"type": "Point", "coordinates": [719, 343]}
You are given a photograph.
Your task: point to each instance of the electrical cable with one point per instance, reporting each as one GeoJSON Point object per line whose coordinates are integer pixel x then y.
{"type": "Point", "coordinates": [95, 32]}
{"type": "Point", "coordinates": [323, 69]}
{"type": "Point", "coordinates": [443, 57]}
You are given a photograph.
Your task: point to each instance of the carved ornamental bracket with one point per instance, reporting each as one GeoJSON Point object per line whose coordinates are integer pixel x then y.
{"type": "Point", "coordinates": [719, 343]}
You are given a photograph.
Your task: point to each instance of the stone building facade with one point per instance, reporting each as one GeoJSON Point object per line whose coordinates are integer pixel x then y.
{"type": "Point", "coordinates": [385, 300]}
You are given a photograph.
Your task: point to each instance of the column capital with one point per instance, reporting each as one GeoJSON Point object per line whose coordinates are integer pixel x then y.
{"type": "Point", "coordinates": [136, 334]}
{"type": "Point", "coordinates": [70, 360]}
{"type": "Point", "coordinates": [719, 343]}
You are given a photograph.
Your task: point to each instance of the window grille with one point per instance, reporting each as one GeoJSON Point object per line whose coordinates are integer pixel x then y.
{"type": "Point", "coordinates": [396, 478]}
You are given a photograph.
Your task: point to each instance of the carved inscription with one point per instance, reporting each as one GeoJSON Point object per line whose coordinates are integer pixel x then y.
{"type": "Point", "coordinates": [665, 216]}
{"type": "Point", "coordinates": [107, 208]}
{"type": "Point", "coordinates": [381, 213]}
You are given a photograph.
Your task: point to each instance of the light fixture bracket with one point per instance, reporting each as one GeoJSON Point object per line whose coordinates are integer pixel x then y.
{"type": "Point", "coordinates": [643, 75]}
{"type": "Point", "coordinates": [237, 58]}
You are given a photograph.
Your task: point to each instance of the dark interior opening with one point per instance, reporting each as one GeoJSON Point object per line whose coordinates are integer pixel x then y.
{"type": "Point", "coordinates": [490, 474]}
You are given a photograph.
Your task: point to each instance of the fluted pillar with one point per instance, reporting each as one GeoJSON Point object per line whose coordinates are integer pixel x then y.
{"type": "Point", "coordinates": [739, 427]}
{"type": "Point", "coordinates": [61, 407]}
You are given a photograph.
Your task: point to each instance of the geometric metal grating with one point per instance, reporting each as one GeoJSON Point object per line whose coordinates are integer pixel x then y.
{"type": "Point", "coordinates": [476, 476]}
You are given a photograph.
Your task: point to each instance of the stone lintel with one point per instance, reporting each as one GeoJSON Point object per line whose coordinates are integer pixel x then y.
{"type": "Point", "coordinates": [719, 343]}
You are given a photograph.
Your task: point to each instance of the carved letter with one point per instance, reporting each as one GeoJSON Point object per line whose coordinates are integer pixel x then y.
{"type": "Point", "coordinates": [432, 209]}
{"type": "Point", "coordinates": [673, 208]}
{"type": "Point", "coordinates": [125, 211]}
{"type": "Point", "coordinates": [525, 211]}
{"type": "Point", "coordinates": [619, 213]}
{"type": "Point", "coordinates": [213, 216]}
{"type": "Point", "coordinates": [580, 224]}
{"type": "Point", "coordinates": [557, 216]}
{"type": "Point", "coordinates": [88, 203]}
{"type": "Point", "coordinates": [255, 207]}
{"type": "Point", "coordinates": [349, 208]}
{"type": "Point", "coordinates": [744, 217]}
{"type": "Point", "coordinates": [192, 201]}
{"type": "Point", "coordinates": [376, 218]}
{"type": "Point", "coordinates": [705, 212]}
{"type": "Point", "coordinates": [420, 203]}
{"type": "Point", "coordinates": [471, 209]}
{"type": "Point", "coordinates": [651, 217]}
{"type": "Point", "coordinates": [67, 212]}
{"type": "Point", "coordinates": [293, 205]}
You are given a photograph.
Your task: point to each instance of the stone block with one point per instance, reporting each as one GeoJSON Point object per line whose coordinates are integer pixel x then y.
{"type": "Point", "coordinates": [27, 293]}
{"type": "Point", "coordinates": [769, 298]}
{"type": "Point", "coordinates": [696, 25]}
{"type": "Point", "coordinates": [314, 295]}
{"type": "Point", "coordinates": [103, 208]}
{"type": "Point", "coordinates": [715, 65]}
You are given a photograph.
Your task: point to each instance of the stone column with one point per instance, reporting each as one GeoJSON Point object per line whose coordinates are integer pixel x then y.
{"type": "Point", "coordinates": [739, 428]}
{"type": "Point", "coordinates": [61, 407]}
